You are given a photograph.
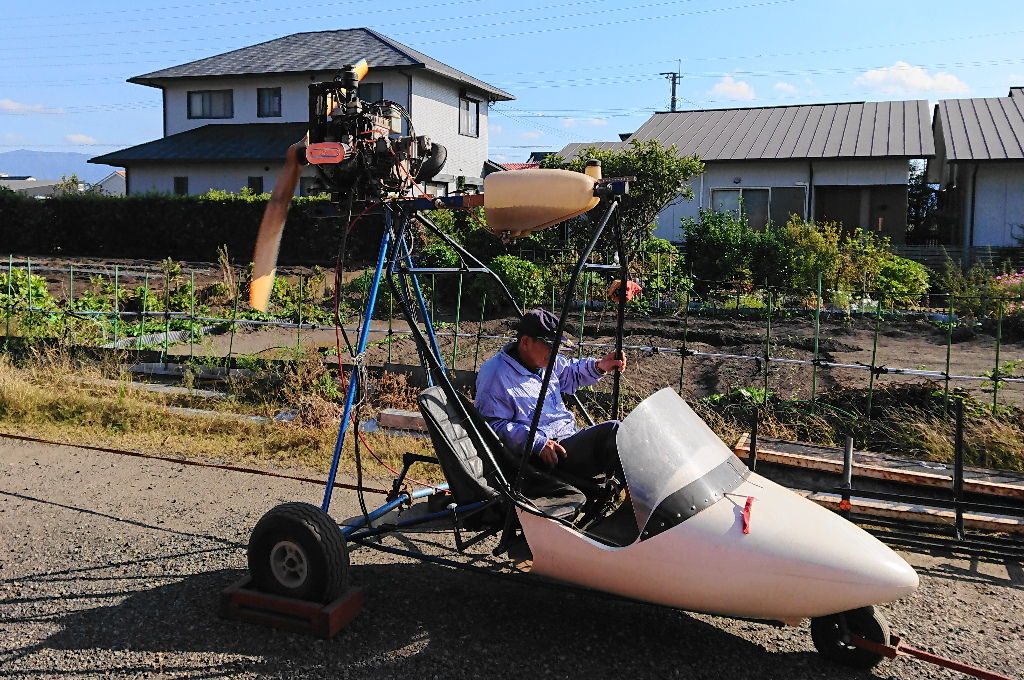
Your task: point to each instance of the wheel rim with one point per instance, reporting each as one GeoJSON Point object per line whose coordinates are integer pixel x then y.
{"type": "Point", "coordinates": [289, 564]}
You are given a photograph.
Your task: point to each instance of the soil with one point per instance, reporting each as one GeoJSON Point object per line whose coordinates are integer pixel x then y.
{"type": "Point", "coordinates": [901, 344]}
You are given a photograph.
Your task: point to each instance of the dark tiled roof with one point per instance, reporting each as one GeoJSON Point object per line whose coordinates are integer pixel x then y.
{"type": "Point", "coordinates": [897, 129]}
{"type": "Point", "coordinates": [317, 51]}
{"type": "Point", "coordinates": [982, 129]}
{"type": "Point", "coordinates": [239, 142]}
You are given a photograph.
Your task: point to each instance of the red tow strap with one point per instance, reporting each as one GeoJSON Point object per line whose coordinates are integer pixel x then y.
{"type": "Point", "coordinates": [899, 649]}
{"type": "Point", "coordinates": [746, 514]}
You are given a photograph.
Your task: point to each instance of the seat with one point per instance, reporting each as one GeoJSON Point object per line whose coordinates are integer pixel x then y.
{"type": "Point", "coordinates": [471, 472]}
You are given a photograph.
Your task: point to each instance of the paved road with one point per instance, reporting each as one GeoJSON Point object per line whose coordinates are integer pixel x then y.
{"type": "Point", "coordinates": [112, 566]}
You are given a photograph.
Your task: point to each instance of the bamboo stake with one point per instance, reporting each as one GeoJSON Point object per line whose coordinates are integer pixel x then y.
{"type": "Point", "coordinates": [817, 339]}
{"type": "Point", "coordinates": [995, 371]}
{"type": "Point", "coordinates": [949, 354]}
{"type": "Point", "coordinates": [874, 354]}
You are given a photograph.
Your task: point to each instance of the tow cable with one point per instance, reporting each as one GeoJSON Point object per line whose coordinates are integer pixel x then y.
{"type": "Point", "coordinates": [897, 648]}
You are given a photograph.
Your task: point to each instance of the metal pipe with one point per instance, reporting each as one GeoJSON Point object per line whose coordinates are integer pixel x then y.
{"type": "Point", "coordinates": [995, 371]}
{"type": "Point", "coordinates": [167, 318]}
{"type": "Point", "coordinates": [817, 338]}
{"type": "Point", "coordinates": [752, 462]}
{"type": "Point", "coordinates": [391, 505]}
{"type": "Point", "coordinates": [117, 303]}
{"type": "Point", "coordinates": [455, 336]}
{"type": "Point", "coordinates": [192, 313]}
{"type": "Point", "coordinates": [353, 381]}
{"type": "Point", "coordinates": [479, 329]}
{"type": "Point", "coordinates": [767, 348]}
{"type": "Point", "coordinates": [70, 332]}
{"type": "Point", "coordinates": [847, 475]}
{"type": "Point", "coordinates": [683, 352]}
{"type": "Point", "coordinates": [142, 321]}
{"type": "Point", "coordinates": [949, 354]}
{"type": "Point", "coordinates": [874, 354]}
{"type": "Point", "coordinates": [620, 318]}
{"type": "Point", "coordinates": [958, 469]}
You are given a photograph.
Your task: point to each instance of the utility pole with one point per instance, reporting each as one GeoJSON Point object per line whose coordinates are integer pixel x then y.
{"type": "Point", "coordinates": [675, 77]}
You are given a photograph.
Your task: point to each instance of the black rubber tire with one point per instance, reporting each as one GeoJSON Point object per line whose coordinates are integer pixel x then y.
{"type": "Point", "coordinates": [297, 550]}
{"type": "Point", "coordinates": [831, 641]}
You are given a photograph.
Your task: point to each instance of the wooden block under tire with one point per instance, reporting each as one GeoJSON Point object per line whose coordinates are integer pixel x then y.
{"type": "Point", "coordinates": [313, 618]}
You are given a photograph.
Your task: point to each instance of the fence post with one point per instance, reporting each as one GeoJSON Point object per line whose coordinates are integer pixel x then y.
{"type": "Point", "coordinates": [167, 316]}
{"type": "Point", "coordinates": [817, 338]}
{"type": "Point", "coordinates": [479, 332]}
{"type": "Point", "coordinates": [682, 353]}
{"type": "Point", "coordinates": [302, 298]}
{"type": "Point", "coordinates": [874, 353]}
{"type": "Point", "coordinates": [234, 318]}
{"type": "Point", "coordinates": [949, 354]}
{"type": "Point", "coordinates": [117, 302]}
{"type": "Point", "coordinates": [69, 331]}
{"type": "Point", "coordinates": [9, 307]}
{"type": "Point", "coordinates": [192, 314]}
{"type": "Point", "coordinates": [455, 335]}
{"type": "Point", "coordinates": [767, 348]}
{"type": "Point", "coordinates": [999, 343]}
{"type": "Point", "coordinates": [958, 470]}
{"type": "Point", "coordinates": [142, 328]}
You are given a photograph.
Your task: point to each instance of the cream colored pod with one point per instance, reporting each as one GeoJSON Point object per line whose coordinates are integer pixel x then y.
{"type": "Point", "coordinates": [518, 202]}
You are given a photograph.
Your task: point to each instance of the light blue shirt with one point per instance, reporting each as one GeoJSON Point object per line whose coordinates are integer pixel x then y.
{"type": "Point", "coordinates": [507, 391]}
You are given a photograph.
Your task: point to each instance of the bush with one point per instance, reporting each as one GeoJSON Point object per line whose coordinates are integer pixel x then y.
{"type": "Point", "coordinates": [718, 246]}
{"type": "Point", "coordinates": [523, 278]}
{"type": "Point", "coordinates": [901, 280]}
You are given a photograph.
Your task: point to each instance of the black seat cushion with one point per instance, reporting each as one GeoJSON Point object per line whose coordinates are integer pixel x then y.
{"type": "Point", "coordinates": [468, 450]}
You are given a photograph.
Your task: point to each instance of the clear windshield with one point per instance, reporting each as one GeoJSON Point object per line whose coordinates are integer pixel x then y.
{"type": "Point", "coordinates": [664, 446]}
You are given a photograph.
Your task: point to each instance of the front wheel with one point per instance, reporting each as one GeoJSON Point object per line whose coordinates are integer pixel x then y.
{"type": "Point", "coordinates": [297, 550]}
{"type": "Point", "coordinates": [831, 636]}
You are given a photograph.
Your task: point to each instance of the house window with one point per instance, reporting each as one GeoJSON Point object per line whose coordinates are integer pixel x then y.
{"type": "Point", "coordinates": [371, 92]}
{"type": "Point", "coordinates": [211, 104]}
{"type": "Point", "coordinates": [761, 205]}
{"type": "Point", "coordinates": [255, 185]}
{"type": "Point", "coordinates": [181, 186]}
{"type": "Point", "coordinates": [268, 102]}
{"type": "Point", "coordinates": [469, 117]}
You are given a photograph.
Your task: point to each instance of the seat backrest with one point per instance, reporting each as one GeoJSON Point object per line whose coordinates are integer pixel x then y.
{"type": "Point", "coordinates": [470, 476]}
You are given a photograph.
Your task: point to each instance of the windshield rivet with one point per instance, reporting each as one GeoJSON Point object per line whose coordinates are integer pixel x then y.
{"type": "Point", "coordinates": [693, 507]}
{"type": "Point", "coordinates": [678, 515]}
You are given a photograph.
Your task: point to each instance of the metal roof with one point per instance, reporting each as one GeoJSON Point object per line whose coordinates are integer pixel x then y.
{"type": "Point", "coordinates": [571, 150]}
{"type": "Point", "coordinates": [316, 51]}
{"type": "Point", "coordinates": [982, 129]}
{"type": "Point", "coordinates": [897, 129]}
{"type": "Point", "coordinates": [214, 143]}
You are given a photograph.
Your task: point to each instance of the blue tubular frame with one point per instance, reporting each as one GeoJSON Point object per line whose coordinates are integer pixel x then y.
{"type": "Point", "coordinates": [353, 380]}
{"type": "Point", "coordinates": [359, 522]}
{"type": "Point", "coordinates": [428, 321]}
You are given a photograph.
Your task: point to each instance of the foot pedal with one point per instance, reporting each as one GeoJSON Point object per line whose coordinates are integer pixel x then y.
{"type": "Point", "coordinates": [312, 618]}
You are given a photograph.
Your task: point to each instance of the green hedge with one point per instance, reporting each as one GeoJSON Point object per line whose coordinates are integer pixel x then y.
{"type": "Point", "coordinates": [158, 226]}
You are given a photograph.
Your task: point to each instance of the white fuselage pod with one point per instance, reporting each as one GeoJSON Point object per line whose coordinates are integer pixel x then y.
{"type": "Point", "coordinates": [798, 560]}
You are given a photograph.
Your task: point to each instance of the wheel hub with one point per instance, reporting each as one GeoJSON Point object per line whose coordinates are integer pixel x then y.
{"type": "Point", "coordinates": [289, 564]}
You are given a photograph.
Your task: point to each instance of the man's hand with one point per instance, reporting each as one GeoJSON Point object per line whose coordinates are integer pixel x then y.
{"type": "Point", "coordinates": [611, 362]}
{"type": "Point", "coordinates": [551, 452]}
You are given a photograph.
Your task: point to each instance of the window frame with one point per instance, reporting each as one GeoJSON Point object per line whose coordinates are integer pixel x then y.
{"type": "Point", "coordinates": [208, 104]}
{"type": "Point", "coordinates": [260, 113]}
{"type": "Point", "coordinates": [472, 105]}
{"type": "Point", "coordinates": [772, 219]}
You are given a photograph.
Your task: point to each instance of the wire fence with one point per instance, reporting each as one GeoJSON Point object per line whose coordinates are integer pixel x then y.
{"type": "Point", "coordinates": [165, 308]}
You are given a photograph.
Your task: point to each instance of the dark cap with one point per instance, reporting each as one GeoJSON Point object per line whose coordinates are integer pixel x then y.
{"type": "Point", "coordinates": [542, 324]}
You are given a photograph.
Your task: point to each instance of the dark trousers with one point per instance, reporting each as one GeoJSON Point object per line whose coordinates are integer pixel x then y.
{"type": "Point", "coordinates": [591, 451]}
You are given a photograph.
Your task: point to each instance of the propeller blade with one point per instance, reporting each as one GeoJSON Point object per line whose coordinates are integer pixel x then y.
{"type": "Point", "coordinates": [268, 241]}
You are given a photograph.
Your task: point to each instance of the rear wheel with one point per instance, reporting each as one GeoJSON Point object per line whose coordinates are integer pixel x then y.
{"type": "Point", "coordinates": [831, 636]}
{"type": "Point", "coordinates": [297, 550]}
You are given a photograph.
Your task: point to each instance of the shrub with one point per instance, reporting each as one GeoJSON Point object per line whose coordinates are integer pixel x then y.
{"type": "Point", "coordinates": [901, 280]}
{"type": "Point", "coordinates": [523, 278]}
{"type": "Point", "coordinates": [718, 246]}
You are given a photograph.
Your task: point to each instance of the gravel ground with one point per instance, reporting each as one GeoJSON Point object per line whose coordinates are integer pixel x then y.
{"type": "Point", "coordinates": [112, 567]}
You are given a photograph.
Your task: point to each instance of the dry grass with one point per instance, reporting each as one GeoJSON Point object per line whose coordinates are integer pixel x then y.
{"type": "Point", "coordinates": [45, 397]}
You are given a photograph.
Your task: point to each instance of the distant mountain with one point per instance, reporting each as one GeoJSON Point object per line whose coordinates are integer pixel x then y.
{"type": "Point", "coordinates": [52, 164]}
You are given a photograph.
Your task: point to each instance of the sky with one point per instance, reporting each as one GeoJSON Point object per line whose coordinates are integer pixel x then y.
{"type": "Point", "coordinates": [581, 70]}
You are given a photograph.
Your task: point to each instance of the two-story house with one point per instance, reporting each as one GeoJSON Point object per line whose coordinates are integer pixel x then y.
{"type": "Point", "coordinates": [228, 119]}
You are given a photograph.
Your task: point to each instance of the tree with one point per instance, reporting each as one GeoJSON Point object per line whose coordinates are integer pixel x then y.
{"type": "Point", "coordinates": [660, 176]}
{"type": "Point", "coordinates": [68, 185]}
{"type": "Point", "coordinates": [922, 206]}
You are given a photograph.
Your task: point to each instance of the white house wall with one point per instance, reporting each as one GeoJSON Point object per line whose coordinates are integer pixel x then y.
{"type": "Point", "coordinates": [998, 205]}
{"type": "Point", "coordinates": [435, 113]}
{"type": "Point", "coordinates": [150, 177]}
{"type": "Point", "coordinates": [759, 174]}
{"type": "Point", "coordinates": [294, 97]}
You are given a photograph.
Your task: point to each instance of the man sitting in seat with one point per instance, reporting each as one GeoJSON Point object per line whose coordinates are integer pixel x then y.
{"type": "Point", "coordinates": [508, 385]}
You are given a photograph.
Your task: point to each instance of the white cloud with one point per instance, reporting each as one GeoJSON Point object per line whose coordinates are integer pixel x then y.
{"type": "Point", "coordinates": [532, 134]}
{"type": "Point", "coordinates": [569, 122]}
{"type": "Point", "coordinates": [11, 138]}
{"type": "Point", "coordinates": [730, 88]}
{"type": "Point", "coordinates": [501, 158]}
{"type": "Point", "coordinates": [785, 87]}
{"type": "Point", "coordinates": [902, 78]}
{"type": "Point", "coordinates": [496, 129]}
{"type": "Point", "coordinates": [78, 138]}
{"type": "Point", "coordinates": [11, 106]}
{"type": "Point", "coordinates": [596, 121]}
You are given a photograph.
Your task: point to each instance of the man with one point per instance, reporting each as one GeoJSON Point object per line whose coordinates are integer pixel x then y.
{"type": "Point", "coordinates": [508, 385]}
